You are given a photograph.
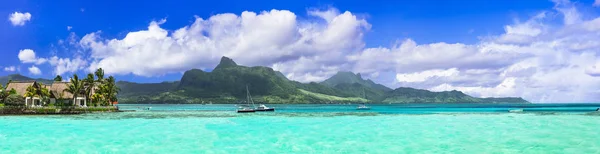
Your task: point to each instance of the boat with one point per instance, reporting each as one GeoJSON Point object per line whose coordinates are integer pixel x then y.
{"type": "Point", "coordinates": [362, 106]}
{"type": "Point", "coordinates": [263, 107]}
{"type": "Point", "coordinates": [515, 110]}
{"type": "Point", "coordinates": [246, 108]}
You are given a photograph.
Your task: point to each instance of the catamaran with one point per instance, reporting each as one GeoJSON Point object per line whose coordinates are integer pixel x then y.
{"type": "Point", "coordinates": [362, 106]}
{"type": "Point", "coordinates": [246, 108]}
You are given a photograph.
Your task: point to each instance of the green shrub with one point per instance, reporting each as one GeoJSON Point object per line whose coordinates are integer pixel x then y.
{"type": "Point", "coordinates": [14, 100]}
{"type": "Point", "coordinates": [1, 104]}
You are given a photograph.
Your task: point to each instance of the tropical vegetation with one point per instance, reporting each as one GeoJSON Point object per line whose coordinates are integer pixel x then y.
{"type": "Point", "coordinates": [99, 91]}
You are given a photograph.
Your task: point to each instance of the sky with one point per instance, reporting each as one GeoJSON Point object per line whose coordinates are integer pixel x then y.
{"type": "Point", "coordinates": [544, 51]}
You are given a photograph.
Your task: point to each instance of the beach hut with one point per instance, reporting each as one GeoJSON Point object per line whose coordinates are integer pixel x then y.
{"type": "Point", "coordinates": [58, 94]}
{"type": "Point", "coordinates": [21, 88]}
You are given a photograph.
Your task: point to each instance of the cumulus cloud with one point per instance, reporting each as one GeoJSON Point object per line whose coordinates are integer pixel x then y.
{"type": "Point", "coordinates": [19, 19]}
{"type": "Point", "coordinates": [28, 56]}
{"type": "Point", "coordinates": [538, 59]}
{"type": "Point", "coordinates": [267, 38]}
{"type": "Point", "coordinates": [10, 68]}
{"type": "Point", "coordinates": [67, 65]}
{"type": "Point", "coordinates": [34, 70]}
{"type": "Point", "coordinates": [426, 75]}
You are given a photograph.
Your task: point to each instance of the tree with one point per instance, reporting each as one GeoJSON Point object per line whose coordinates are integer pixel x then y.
{"type": "Point", "coordinates": [12, 91]}
{"type": "Point", "coordinates": [110, 90]}
{"type": "Point", "coordinates": [58, 78]}
{"type": "Point", "coordinates": [89, 85]}
{"type": "Point", "coordinates": [99, 74]}
{"type": "Point", "coordinates": [44, 94]}
{"type": "Point", "coordinates": [30, 93]}
{"type": "Point", "coordinates": [14, 100]}
{"type": "Point", "coordinates": [75, 87]}
{"type": "Point", "coordinates": [3, 93]}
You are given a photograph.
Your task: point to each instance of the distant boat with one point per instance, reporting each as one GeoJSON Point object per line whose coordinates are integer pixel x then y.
{"type": "Point", "coordinates": [362, 106]}
{"type": "Point", "coordinates": [246, 108]}
{"type": "Point", "coordinates": [515, 110]}
{"type": "Point", "coordinates": [263, 107]}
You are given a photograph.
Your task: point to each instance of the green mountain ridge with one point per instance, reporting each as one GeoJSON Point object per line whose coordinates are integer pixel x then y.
{"type": "Point", "coordinates": [228, 81]}
{"type": "Point", "coordinates": [18, 77]}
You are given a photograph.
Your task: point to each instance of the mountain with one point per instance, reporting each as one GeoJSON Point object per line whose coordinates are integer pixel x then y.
{"type": "Point", "coordinates": [411, 95]}
{"type": "Point", "coordinates": [351, 78]}
{"type": "Point", "coordinates": [228, 81]}
{"type": "Point", "coordinates": [18, 77]}
{"type": "Point", "coordinates": [355, 85]}
{"type": "Point", "coordinates": [227, 84]}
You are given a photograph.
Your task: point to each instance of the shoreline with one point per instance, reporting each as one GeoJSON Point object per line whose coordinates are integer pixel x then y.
{"type": "Point", "coordinates": [11, 110]}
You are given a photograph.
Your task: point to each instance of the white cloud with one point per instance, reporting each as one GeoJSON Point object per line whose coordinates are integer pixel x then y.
{"type": "Point", "coordinates": [69, 28]}
{"type": "Point", "coordinates": [596, 3]}
{"type": "Point", "coordinates": [537, 59]}
{"type": "Point", "coordinates": [19, 19]}
{"type": "Point", "coordinates": [10, 68]}
{"type": "Point", "coordinates": [265, 38]}
{"type": "Point", "coordinates": [66, 65]}
{"type": "Point", "coordinates": [34, 70]}
{"type": "Point", "coordinates": [28, 56]}
{"type": "Point", "coordinates": [426, 75]}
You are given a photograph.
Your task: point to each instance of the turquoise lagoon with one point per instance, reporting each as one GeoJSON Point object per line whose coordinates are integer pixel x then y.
{"type": "Point", "coordinates": [556, 128]}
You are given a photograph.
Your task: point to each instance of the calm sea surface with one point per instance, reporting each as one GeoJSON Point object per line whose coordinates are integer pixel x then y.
{"type": "Point", "coordinates": [555, 128]}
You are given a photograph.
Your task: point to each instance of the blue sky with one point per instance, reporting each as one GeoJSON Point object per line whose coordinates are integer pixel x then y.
{"type": "Point", "coordinates": [439, 45]}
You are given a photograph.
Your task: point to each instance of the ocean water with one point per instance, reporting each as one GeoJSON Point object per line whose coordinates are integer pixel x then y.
{"type": "Point", "coordinates": [557, 128]}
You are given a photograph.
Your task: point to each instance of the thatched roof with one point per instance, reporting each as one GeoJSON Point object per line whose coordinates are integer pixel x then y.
{"type": "Point", "coordinates": [58, 89]}
{"type": "Point", "coordinates": [20, 86]}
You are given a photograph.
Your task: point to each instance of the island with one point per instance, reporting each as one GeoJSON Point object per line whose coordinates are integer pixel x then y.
{"type": "Point", "coordinates": [225, 84]}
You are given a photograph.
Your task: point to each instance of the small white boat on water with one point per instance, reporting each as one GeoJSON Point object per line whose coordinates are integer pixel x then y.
{"type": "Point", "coordinates": [515, 110]}
{"type": "Point", "coordinates": [263, 107]}
{"type": "Point", "coordinates": [245, 109]}
{"type": "Point", "coordinates": [362, 106]}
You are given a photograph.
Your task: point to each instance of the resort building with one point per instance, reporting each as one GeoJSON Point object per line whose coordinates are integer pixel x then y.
{"type": "Point", "coordinates": [57, 93]}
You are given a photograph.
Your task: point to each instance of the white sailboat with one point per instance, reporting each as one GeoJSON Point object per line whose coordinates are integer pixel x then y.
{"type": "Point", "coordinates": [247, 108]}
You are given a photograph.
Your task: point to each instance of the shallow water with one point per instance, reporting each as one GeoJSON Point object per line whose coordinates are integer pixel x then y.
{"type": "Point", "coordinates": [310, 129]}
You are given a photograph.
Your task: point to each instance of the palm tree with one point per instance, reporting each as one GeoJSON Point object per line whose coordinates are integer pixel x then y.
{"type": "Point", "coordinates": [75, 88]}
{"type": "Point", "coordinates": [30, 93]}
{"type": "Point", "coordinates": [58, 78]}
{"type": "Point", "coordinates": [89, 85]}
{"type": "Point", "coordinates": [111, 90]}
{"type": "Point", "coordinates": [44, 94]}
{"type": "Point", "coordinates": [100, 74]}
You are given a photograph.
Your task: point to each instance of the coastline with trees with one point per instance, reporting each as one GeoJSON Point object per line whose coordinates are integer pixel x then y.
{"type": "Point", "coordinates": [94, 93]}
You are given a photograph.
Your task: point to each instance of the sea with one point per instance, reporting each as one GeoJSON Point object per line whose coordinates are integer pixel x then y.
{"type": "Point", "coordinates": [321, 128]}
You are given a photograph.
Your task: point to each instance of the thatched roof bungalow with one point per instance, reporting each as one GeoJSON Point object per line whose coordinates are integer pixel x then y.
{"type": "Point", "coordinates": [21, 86]}
{"type": "Point", "coordinates": [57, 92]}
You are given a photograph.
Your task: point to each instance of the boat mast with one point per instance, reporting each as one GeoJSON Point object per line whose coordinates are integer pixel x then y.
{"type": "Point", "coordinates": [248, 97]}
